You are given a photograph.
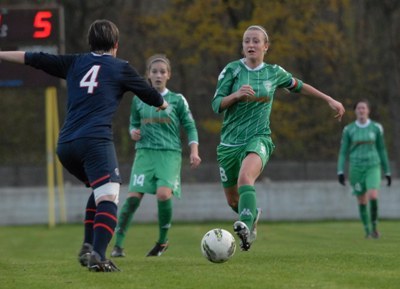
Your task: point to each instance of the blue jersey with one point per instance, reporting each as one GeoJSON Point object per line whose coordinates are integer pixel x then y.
{"type": "Point", "coordinates": [96, 84]}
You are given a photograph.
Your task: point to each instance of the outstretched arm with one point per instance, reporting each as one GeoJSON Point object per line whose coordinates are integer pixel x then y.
{"type": "Point", "coordinates": [13, 56]}
{"type": "Point", "coordinates": [335, 105]}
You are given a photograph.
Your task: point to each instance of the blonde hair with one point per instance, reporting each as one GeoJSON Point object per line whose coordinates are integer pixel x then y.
{"type": "Point", "coordinates": [158, 57]}
{"type": "Point", "coordinates": [262, 29]}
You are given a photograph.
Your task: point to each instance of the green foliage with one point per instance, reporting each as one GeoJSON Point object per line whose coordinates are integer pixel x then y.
{"type": "Point", "coordinates": [23, 126]}
{"type": "Point", "coordinates": [331, 255]}
{"type": "Point", "coordinates": [298, 136]}
{"type": "Point", "coordinates": [211, 125]}
{"type": "Point", "coordinates": [203, 30]}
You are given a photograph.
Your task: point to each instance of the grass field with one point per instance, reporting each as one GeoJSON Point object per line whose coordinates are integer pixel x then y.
{"type": "Point", "coordinates": [286, 255]}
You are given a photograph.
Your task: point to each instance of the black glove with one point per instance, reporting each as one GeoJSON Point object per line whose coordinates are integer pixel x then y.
{"type": "Point", "coordinates": [341, 179]}
{"type": "Point", "coordinates": [389, 180]}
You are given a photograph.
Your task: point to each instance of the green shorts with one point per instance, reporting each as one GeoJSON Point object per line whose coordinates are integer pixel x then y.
{"type": "Point", "coordinates": [152, 169]}
{"type": "Point", "coordinates": [230, 158]}
{"type": "Point", "coordinates": [363, 179]}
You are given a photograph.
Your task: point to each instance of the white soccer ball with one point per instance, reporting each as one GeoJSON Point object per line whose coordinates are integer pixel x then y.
{"type": "Point", "coordinates": [218, 245]}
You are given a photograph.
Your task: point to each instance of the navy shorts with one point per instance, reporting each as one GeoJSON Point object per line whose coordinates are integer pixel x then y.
{"type": "Point", "coordinates": [92, 161]}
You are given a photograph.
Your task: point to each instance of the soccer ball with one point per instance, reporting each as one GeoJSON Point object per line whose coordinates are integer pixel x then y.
{"type": "Point", "coordinates": [218, 245]}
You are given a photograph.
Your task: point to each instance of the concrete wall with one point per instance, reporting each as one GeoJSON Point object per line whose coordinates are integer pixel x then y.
{"type": "Point", "coordinates": [295, 200]}
{"type": "Point", "coordinates": [27, 176]}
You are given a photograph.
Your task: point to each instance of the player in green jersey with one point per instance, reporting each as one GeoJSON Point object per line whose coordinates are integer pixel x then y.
{"type": "Point", "coordinates": [363, 141]}
{"type": "Point", "coordinates": [157, 165]}
{"type": "Point", "coordinates": [245, 93]}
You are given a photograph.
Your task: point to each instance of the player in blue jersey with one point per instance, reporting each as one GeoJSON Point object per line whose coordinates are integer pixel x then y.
{"type": "Point", "coordinates": [96, 82]}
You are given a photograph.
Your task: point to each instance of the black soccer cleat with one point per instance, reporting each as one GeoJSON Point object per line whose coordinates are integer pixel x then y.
{"type": "Point", "coordinates": [96, 265]}
{"type": "Point", "coordinates": [243, 233]}
{"type": "Point", "coordinates": [157, 250]}
{"type": "Point", "coordinates": [84, 254]}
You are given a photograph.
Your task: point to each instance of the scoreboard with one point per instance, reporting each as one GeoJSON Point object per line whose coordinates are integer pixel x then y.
{"type": "Point", "coordinates": [30, 29]}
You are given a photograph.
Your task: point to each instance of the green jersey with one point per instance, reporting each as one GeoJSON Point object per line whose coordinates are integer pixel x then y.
{"type": "Point", "coordinates": [161, 130]}
{"type": "Point", "coordinates": [364, 143]}
{"type": "Point", "coordinates": [246, 119]}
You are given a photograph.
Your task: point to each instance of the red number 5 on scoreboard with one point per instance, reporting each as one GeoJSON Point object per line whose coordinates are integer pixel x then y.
{"type": "Point", "coordinates": [42, 24]}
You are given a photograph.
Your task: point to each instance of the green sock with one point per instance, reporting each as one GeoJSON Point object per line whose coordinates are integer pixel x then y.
{"type": "Point", "coordinates": [374, 213]}
{"type": "Point", "coordinates": [164, 219]}
{"type": "Point", "coordinates": [364, 217]}
{"type": "Point", "coordinates": [125, 217]}
{"type": "Point", "coordinates": [247, 205]}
